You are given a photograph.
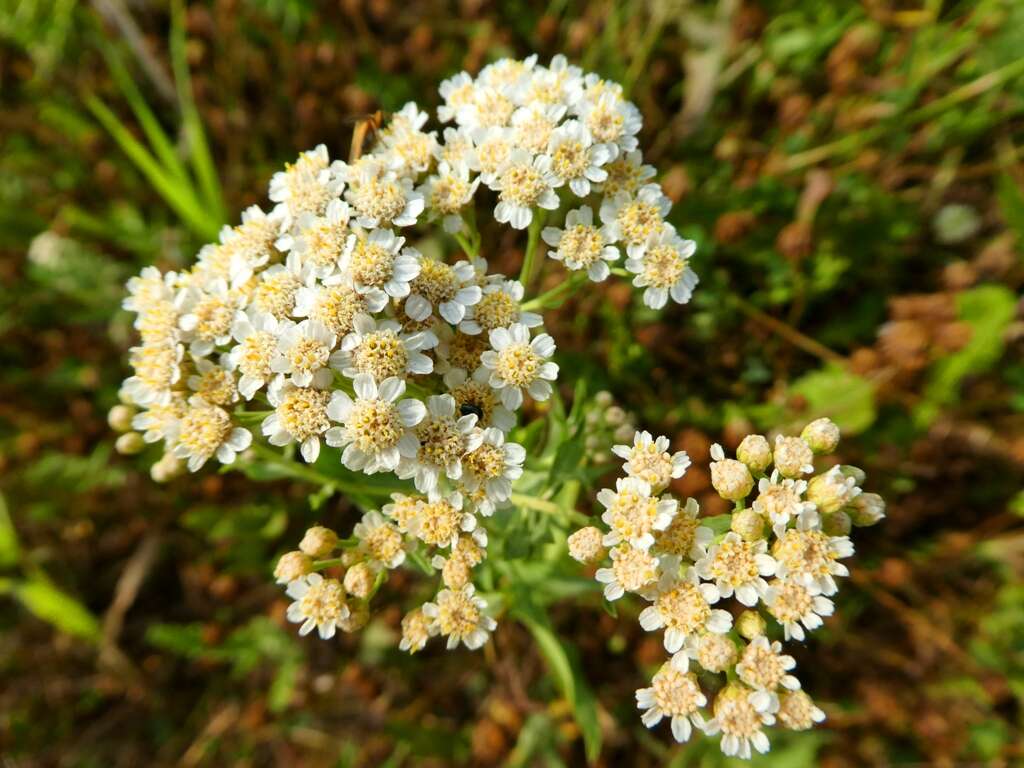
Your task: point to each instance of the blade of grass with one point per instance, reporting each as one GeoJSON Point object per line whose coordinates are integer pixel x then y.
{"type": "Point", "coordinates": [180, 198]}
{"type": "Point", "coordinates": [199, 149]}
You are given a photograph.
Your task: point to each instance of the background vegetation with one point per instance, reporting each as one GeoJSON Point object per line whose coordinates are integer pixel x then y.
{"type": "Point", "coordinates": [851, 172]}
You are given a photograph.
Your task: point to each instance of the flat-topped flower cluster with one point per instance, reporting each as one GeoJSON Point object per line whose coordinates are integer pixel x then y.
{"type": "Point", "coordinates": [319, 322]}
{"type": "Point", "coordinates": [777, 554]}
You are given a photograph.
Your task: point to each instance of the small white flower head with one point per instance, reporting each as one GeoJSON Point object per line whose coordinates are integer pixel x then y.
{"type": "Point", "coordinates": [866, 510]}
{"type": "Point", "coordinates": [319, 541]}
{"type": "Point", "coordinates": [457, 568]}
{"type": "Point", "coordinates": [378, 262]}
{"type": "Point", "coordinates": [559, 82]}
{"type": "Point", "coordinates": [303, 352]}
{"type": "Point", "coordinates": [633, 514]}
{"type": "Point", "coordinates": [320, 240]}
{"type": "Point", "coordinates": [793, 457]}
{"type": "Point", "coordinates": [205, 431]}
{"type": "Point", "coordinates": [493, 147]}
{"type": "Point", "coordinates": [447, 192]}
{"type": "Point", "coordinates": [490, 107]}
{"type": "Point", "coordinates": [524, 182]}
{"type": "Point", "coordinates": [587, 545]}
{"type": "Point", "coordinates": [756, 452]}
{"type": "Point", "coordinates": [738, 566]}
{"type": "Point", "coordinates": [403, 510]}
{"type": "Point", "coordinates": [256, 334]}
{"type": "Point", "coordinates": [335, 302]}
{"type": "Point", "coordinates": [781, 500]}
{"type": "Point", "coordinates": [822, 435]}
{"type": "Point", "coordinates": [383, 200]}
{"type": "Point", "coordinates": [714, 652]}
{"type": "Point", "coordinates": [157, 369]}
{"type": "Point", "coordinates": [740, 716]}
{"type": "Point", "coordinates": [149, 287]}
{"type": "Point", "coordinates": [516, 363]}
{"type": "Point", "coordinates": [457, 92]}
{"type": "Point", "coordinates": [675, 694]}
{"type": "Point", "coordinates": [206, 316]}
{"type": "Point", "coordinates": [319, 603]}
{"type": "Point", "coordinates": [456, 148]}
{"type": "Point", "coordinates": [376, 427]}
{"type": "Point", "coordinates": [213, 383]}
{"type": "Point", "coordinates": [612, 120]}
{"type": "Point", "coordinates": [417, 629]}
{"type": "Point", "coordinates": [358, 580]}
{"type": "Point", "coordinates": [730, 478]}
{"type": "Point", "coordinates": [379, 541]}
{"type": "Point", "coordinates": [492, 466]}
{"type": "Point", "coordinates": [792, 603]}
{"type": "Point", "coordinates": [500, 306]}
{"type": "Point", "coordinates": [632, 570]}
{"type": "Point", "coordinates": [682, 606]}
{"type": "Point", "coordinates": [575, 159]}
{"type": "Point", "coordinates": [447, 288]}
{"type": "Point", "coordinates": [300, 416]}
{"type": "Point", "coordinates": [444, 439]}
{"type": "Point", "coordinates": [277, 287]}
{"type": "Point", "coordinates": [459, 355]}
{"type": "Point", "coordinates": [649, 460]}
{"type": "Point", "coordinates": [764, 667]}
{"type": "Point", "coordinates": [534, 124]}
{"type": "Point", "coordinates": [832, 490]}
{"type": "Point", "coordinates": [440, 521]}
{"type": "Point", "coordinates": [246, 248]}
{"type": "Point", "coordinates": [408, 148]}
{"type": "Point", "coordinates": [634, 219]}
{"type": "Point", "coordinates": [292, 566]}
{"type": "Point", "coordinates": [474, 395]}
{"type": "Point", "coordinates": [381, 350]}
{"type": "Point", "coordinates": [460, 615]}
{"type": "Point", "coordinates": [797, 711]}
{"type": "Point", "coordinates": [306, 186]}
{"type": "Point", "coordinates": [812, 558]}
{"type": "Point", "coordinates": [664, 269]}
{"type": "Point", "coordinates": [160, 420]}
{"type": "Point", "coordinates": [582, 244]}
{"type": "Point", "coordinates": [684, 538]}
{"type": "Point", "coordinates": [626, 173]}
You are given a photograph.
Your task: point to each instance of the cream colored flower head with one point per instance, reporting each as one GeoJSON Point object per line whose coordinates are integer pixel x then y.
{"type": "Point", "coordinates": [576, 159]}
{"type": "Point", "coordinates": [634, 218]}
{"type": "Point", "coordinates": [581, 244]}
{"type": "Point", "coordinates": [445, 289]}
{"type": "Point", "coordinates": [663, 270]}
{"type": "Point", "coordinates": [794, 603]}
{"type": "Point", "coordinates": [812, 558]}
{"type": "Point", "coordinates": [377, 428]}
{"type": "Point", "coordinates": [632, 570]}
{"type": "Point", "coordinates": [444, 437]}
{"type": "Point", "coordinates": [675, 694]}
{"type": "Point", "coordinates": [256, 335]}
{"type": "Point", "coordinates": [524, 182]}
{"type": "Point", "coordinates": [682, 606]}
{"type": "Point", "coordinates": [738, 566]}
{"type": "Point", "coordinates": [500, 306]}
{"type": "Point", "coordinates": [379, 541]}
{"type": "Point", "coordinates": [381, 349]}
{"type": "Point", "coordinates": [319, 604]}
{"type": "Point", "coordinates": [516, 364]}
{"type": "Point", "coordinates": [781, 500]}
{"type": "Point", "coordinates": [461, 616]}
{"type": "Point", "coordinates": [648, 459]}
{"type": "Point", "coordinates": [492, 466]}
{"type": "Point", "coordinates": [308, 185]}
{"type": "Point", "coordinates": [378, 262]}
{"type": "Point", "coordinates": [633, 514]}
{"type": "Point", "coordinates": [205, 431]}
{"type": "Point", "coordinates": [300, 416]}
{"type": "Point", "coordinates": [740, 715]}
{"type": "Point", "coordinates": [304, 352]}
{"type": "Point", "coordinates": [730, 478]}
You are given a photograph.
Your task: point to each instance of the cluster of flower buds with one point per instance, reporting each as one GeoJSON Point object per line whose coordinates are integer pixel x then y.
{"type": "Point", "coordinates": [777, 554]}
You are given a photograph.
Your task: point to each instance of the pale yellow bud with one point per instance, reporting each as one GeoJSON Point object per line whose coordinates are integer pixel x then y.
{"type": "Point", "coordinates": [359, 580]}
{"type": "Point", "coordinates": [319, 541]}
{"type": "Point", "coordinates": [129, 444]}
{"type": "Point", "coordinates": [731, 479]}
{"type": "Point", "coordinates": [793, 457]}
{"type": "Point", "coordinates": [585, 545]}
{"type": "Point", "coordinates": [836, 524]}
{"type": "Point", "coordinates": [120, 417]}
{"type": "Point", "coordinates": [822, 435]}
{"type": "Point", "coordinates": [867, 509]}
{"type": "Point", "coordinates": [750, 624]}
{"type": "Point", "coordinates": [755, 452]}
{"type": "Point", "coordinates": [358, 615]}
{"type": "Point", "coordinates": [748, 524]}
{"type": "Point", "coordinates": [292, 566]}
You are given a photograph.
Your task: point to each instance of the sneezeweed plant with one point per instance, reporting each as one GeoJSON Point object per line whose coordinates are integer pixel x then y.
{"type": "Point", "coordinates": [774, 561]}
{"type": "Point", "coordinates": [354, 335]}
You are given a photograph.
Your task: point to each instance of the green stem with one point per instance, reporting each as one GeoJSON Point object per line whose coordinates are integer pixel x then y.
{"type": "Point", "coordinates": [526, 274]}
{"type": "Point", "coordinates": [548, 507]}
{"type": "Point", "coordinates": [555, 297]}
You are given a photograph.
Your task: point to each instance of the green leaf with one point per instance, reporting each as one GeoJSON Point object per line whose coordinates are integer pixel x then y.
{"type": "Point", "coordinates": [58, 608]}
{"type": "Point", "coordinates": [9, 549]}
{"type": "Point", "coordinates": [842, 396]}
{"type": "Point", "coordinates": [1011, 203]}
{"type": "Point", "coordinates": [988, 310]}
{"type": "Point", "coordinates": [562, 660]}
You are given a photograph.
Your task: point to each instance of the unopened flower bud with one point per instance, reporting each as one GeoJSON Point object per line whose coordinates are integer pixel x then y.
{"type": "Point", "coordinates": [604, 398]}
{"type": "Point", "coordinates": [792, 456]}
{"type": "Point", "coordinates": [729, 477]}
{"type": "Point", "coordinates": [358, 616]}
{"type": "Point", "coordinates": [822, 435]}
{"type": "Point", "coordinates": [292, 566]}
{"type": "Point", "coordinates": [716, 653]}
{"type": "Point", "coordinates": [167, 468]}
{"type": "Point", "coordinates": [359, 580]}
{"type": "Point", "coordinates": [831, 491]}
{"type": "Point", "coordinates": [748, 524]}
{"type": "Point", "coordinates": [614, 416]}
{"type": "Point", "coordinates": [797, 711]}
{"type": "Point", "coordinates": [836, 524]}
{"type": "Point", "coordinates": [120, 417]}
{"type": "Point", "coordinates": [456, 573]}
{"type": "Point", "coordinates": [319, 541]}
{"type": "Point", "coordinates": [867, 509]}
{"type": "Point", "coordinates": [750, 624]}
{"type": "Point", "coordinates": [129, 444]}
{"type": "Point", "coordinates": [585, 545]}
{"type": "Point", "coordinates": [855, 472]}
{"type": "Point", "coordinates": [755, 452]}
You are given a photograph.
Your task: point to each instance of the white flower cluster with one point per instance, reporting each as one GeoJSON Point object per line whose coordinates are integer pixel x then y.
{"type": "Point", "coordinates": [779, 560]}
